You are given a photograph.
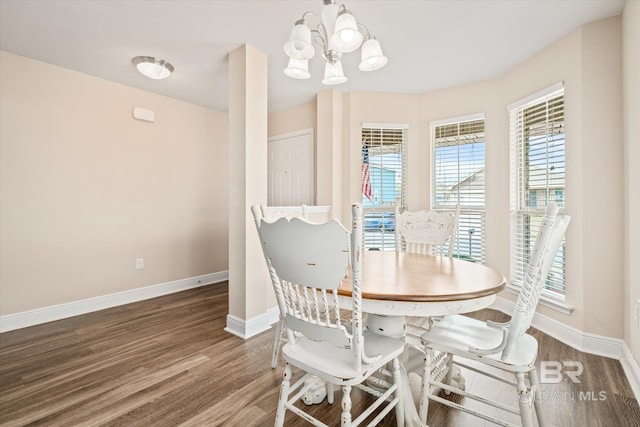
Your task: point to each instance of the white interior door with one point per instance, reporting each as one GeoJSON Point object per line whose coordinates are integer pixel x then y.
{"type": "Point", "coordinates": [290, 169]}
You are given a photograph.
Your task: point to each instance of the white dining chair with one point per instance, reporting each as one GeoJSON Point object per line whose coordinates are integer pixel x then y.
{"type": "Point", "coordinates": [271, 214]}
{"type": "Point", "coordinates": [422, 231]}
{"type": "Point", "coordinates": [307, 263]}
{"type": "Point", "coordinates": [502, 346]}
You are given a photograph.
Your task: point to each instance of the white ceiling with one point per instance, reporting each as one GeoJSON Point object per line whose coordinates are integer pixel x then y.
{"type": "Point", "coordinates": [430, 44]}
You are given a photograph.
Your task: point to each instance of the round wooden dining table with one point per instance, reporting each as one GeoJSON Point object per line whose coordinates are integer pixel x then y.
{"type": "Point", "coordinates": [407, 284]}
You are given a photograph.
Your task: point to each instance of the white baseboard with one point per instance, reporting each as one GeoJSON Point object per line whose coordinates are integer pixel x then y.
{"type": "Point", "coordinates": [248, 328]}
{"type": "Point", "coordinates": [599, 345]}
{"type": "Point", "coordinates": [582, 341]}
{"type": "Point", "coordinates": [38, 316]}
{"type": "Point", "coordinates": [632, 370]}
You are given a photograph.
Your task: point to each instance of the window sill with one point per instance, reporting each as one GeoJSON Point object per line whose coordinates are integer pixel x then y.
{"type": "Point", "coordinates": [546, 301]}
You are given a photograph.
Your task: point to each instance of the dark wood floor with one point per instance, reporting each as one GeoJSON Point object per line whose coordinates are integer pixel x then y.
{"type": "Point", "coordinates": [169, 362]}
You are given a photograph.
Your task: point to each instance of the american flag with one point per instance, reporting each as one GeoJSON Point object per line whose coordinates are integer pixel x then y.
{"type": "Point", "coordinates": [366, 177]}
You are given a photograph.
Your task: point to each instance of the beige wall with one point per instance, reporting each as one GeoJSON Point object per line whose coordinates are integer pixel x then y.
{"type": "Point", "coordinates": [86, 189]}
{"type": "Point", "coordinates": [631, 103]}
{"type": "Point", "coordinates": [294, 119]}
{"type": "Point", "coordinates": [601, 146]}
{"type": "Point", "coordinates": [329, 143]}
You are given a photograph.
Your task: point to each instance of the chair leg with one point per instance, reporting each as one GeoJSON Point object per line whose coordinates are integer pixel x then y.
{"type": "Point", "coordinates": [345, 419]}
{"type": "Point", "coordinates": [537, 402]}
{"type": "Point", "coordinates": [397, 380]}
{"type": "Point", "coordinates": [330, 391]}
{"type": "Point", "coordinates": [284, 396]}
{"type": "Point", "coordinates": [276, 345]}
{"type": "Point", "coordinates": [525, 400]}
{"type": "Point", "coordinates": [425, 388]}
{"type": "Point", "coordinates": [449, 374]}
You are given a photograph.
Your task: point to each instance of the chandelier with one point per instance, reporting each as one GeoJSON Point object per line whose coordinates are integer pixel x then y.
{"type": "Point", "coordinates": [336, 32]}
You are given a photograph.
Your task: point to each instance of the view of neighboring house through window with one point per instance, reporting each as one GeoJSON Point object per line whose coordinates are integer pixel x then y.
{"type": "Point", "coordinates": [383, 182]}
{"type": "Point", "coordinates": [537, 137]}
{"type": "Point", "coordinates": [458, 152]}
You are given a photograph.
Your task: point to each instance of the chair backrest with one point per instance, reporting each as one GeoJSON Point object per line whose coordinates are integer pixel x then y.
{"type": "Point", "coordinates": [307, 263]}
{"type": "Point", "coordinates": [422, 230]}
{"type": "Point", "coordinates": [310, 213]}
{"type": "Point", "coordinates": [550, 234]}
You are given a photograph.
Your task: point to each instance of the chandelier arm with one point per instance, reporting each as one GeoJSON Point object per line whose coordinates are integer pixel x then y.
{"type": "Point", "coordinates": [315, 15]}
{"type": "Point", "coordinates": [367, 33]}
{"type": "Point", "coordinates": [321, 41]}
{"type": "Point", "coordinates": [322, 31]}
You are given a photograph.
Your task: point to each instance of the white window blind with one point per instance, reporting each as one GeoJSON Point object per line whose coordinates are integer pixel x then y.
{"type": "Point", "coordinates": [458, 152]}
{"type": "Point", "coordinates": [538, 162]}
{"type": "Point", "coordinates": [383, 182]}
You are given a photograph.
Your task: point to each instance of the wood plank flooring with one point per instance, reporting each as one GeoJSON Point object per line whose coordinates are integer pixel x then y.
{"type": "Point", "coordinates": [168, 362]}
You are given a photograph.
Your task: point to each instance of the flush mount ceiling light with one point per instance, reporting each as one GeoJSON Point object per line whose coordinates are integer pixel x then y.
{"type": "Point", "coordinates": [152, 67]}
{"type": "Point", "coordinates": [336, 32]}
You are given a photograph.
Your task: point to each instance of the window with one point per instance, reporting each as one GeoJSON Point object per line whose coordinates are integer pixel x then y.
{"type": "Point", "coordinates": [537, 137]}
{"type": "Point", "coordinates": [458, 149]}
{"type": "Point", "coordinates": [383, 182]}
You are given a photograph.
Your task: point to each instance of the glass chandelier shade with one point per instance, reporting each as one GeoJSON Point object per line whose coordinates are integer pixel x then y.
{"type": "Point", "coordinates": [336, 32]}
{"type": "Point", "coordinates": [372, 57]}
{"type": "Point", "coordinates": [299, 45]}
{"type": "Point", "coordinates": [346, 37]}
{"type": "Point", "coordinates": [333, 74]}
{"type": "Point", "coordinates": [298, 69]}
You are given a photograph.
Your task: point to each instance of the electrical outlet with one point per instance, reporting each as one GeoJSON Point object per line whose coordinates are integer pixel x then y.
{"type": "Point", "coordinates": [139, 263]}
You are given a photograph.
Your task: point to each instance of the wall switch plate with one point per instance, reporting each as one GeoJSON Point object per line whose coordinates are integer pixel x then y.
{"type": "Point", "coordinates": [139, 263]}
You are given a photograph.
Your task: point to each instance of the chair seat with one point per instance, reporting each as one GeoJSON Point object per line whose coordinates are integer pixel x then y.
{"type": "Point", "coordinates": [455, 334]}
{"type": "Point", "coordinates": [336, 365]}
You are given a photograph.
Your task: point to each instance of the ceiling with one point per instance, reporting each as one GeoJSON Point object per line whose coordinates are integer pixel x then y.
{"type": "Point", "coordinates": [430, 44]}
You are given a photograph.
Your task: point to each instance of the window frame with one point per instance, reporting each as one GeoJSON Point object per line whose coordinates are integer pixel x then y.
{"type": "Point", "coordinates": [465, 210]}
{"type": "Point", "coordinates": [385, 213]}
{"type": "Point", "coordinates": [525, 141]}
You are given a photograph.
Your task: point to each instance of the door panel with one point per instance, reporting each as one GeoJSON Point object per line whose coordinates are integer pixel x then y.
{"type": "Point", "coordinates": [290, 167]}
